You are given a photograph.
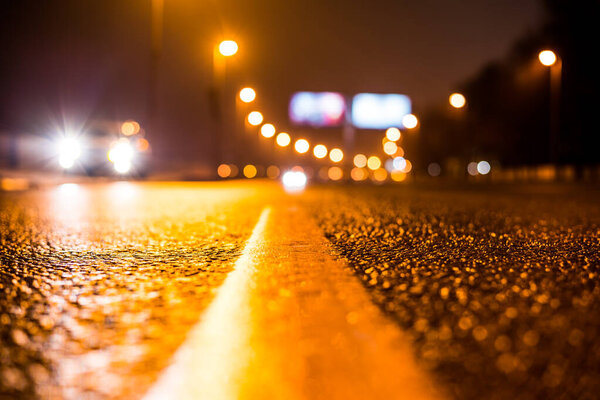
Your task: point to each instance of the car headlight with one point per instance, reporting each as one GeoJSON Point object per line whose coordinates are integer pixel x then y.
{"type": "Point", "coordinates": [69, 150]}
{"type": "Point", "coordinates": [121, 155]}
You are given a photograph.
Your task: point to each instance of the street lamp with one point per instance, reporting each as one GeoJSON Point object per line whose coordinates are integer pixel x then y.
{"type": "Point", "coordinates": [457, 100]}
{"type": "Point", "coordinates": [228, 48]}
{"type": "Point", "coordinates": [247, 95]}
{"type": "Point", "coordinates": [550, 59]}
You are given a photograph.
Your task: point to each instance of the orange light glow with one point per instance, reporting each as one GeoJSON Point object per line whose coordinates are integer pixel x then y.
{"type": "Point", "coordinates": [143, 144]}
{"type": "Point", "coordinates": [283, 139]}
{"type": "Point", "coordinates": [390, 148]}
{"type": "Point", "coordinates": [398, 176]}
{"type": "Point", "coordinates": [247, 95]}
{"type": "Point", "coordinates": [273, 171]}
{"type": "Point", "coordinates": [129, 128]}
{"type": "Point", "coordinates": [336, 155]}
{"type": "Point", "coordinates": [547, 57]}
{"type": "Point", "coordinates": [373, 163]}
{"type": "Point", "coordinates": [267, 130]}
{"type": "Point", "coordinates": [393, 134]}
{"type": "Point", "coordinates": [335, 173]}
{"type": "Point", "coordinates": [320, 151]}
{"type": "Point", "coordinates": [255, 118]}
{"type": "Point", "coordinates": [360, 160]}
{"type": "Point", "coordinates": [228, 48]}
{"type": "Point", "coordinates": [301, 146]}
{"type": "Point", "coordinates": [358, 174]}
{"type": "Point", "coordinates": [408, 167]}
{"type": "Point", "coordinates": [250, 171]}
{"type": "Point", "coordinates": [410, 121]}
{"type": "Point", "coordinates": [457, 100]}
{"type": "Point", "coordinates": [224, 170]}
{"type": "Point", "coordinates": [380, 175]}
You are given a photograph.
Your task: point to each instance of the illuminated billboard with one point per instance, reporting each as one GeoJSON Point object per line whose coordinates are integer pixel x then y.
{"type": "Point", "coordinates": [317, 109]}
{"type": "Point", "coordinates": [379, 111]}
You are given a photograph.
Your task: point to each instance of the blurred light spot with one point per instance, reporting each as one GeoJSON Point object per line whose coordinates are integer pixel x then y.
{"type": "Point", "coordinates": [434, 169]}
{"type": "Point", "coordinates": [122, 166]}
{"type": "Point", "coordinates": [273, 171]}
{"type": "Point", "coordinates": [301, 146]}
{"type": "Point", "coordinates": [380, 175]}
{"type": "Point", "coordinates": [69, 150]}
{"type": "Point", "coordinates": [224, 170]}
{"type": "Point", "coordinates": [283, 139]}
{"type": "Point", "coordinates": [398, 176]}
{"type": "Point", "coordinates": [472, 168]}
{"type": "Point", "coordinates": [389, 165]}
{"type": "Point", "coordinates": [373, 163]}
{"type": "Point", "coordinates": [457, 100]}
{"type": "Point", "coordinates": [228, 48]}
{"type": "Point", "coordinates": [379, 111]}
{"type": "Point", "coordinates": [399, 163]}
{"type": "Point", "coordinates": [143, 144]}
{"type": "Point", "coordinates": [393, 134]}
{"type": "Point", "coordinates": [399, 152]}
{"type": "Point", "coordinates": [408, 167]}
{"type": "Point", "coordinates": [121, 155]}
{"type": "Point", "coordinates": [360, 160]}
{"type": "Point", "coordinates": [234, 170]}
{"type": "Point", "coordinates": [317, 109]}
{"type": "Point", "coordinates": [255, 118]}
{"type": "Point", "coordinates": [335, 173]}
{"type": "Point", "coordinates": [547, 57]}
{"type": "Point", "coordinates": [129, 128]}
{"type": "Point", "coordinates": [267, 130]}
{"type": "Point", "coordinates": [320, 151]}
{"type": "Point", "coordinates": [483, 167]}
{"type": "Point", "coordinates": [410, 121]}
{"type": "Point", "coordinates": [358, 174]}
{"type": "Point", "coordinates": [390, 148]}
{"type": "Point", "coordinates": [294, 180]}
{"type": "Point", "coordinates": [250, 171]}
{"type": "Point", "coordinates": [247, 95]}
{"type": "Point", "coordinates": [336, 155]}
{"type": "Point", "coordinates": [323, 173]}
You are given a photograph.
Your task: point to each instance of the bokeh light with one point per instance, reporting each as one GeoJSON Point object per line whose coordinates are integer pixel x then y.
{"type": "Point", "coordinates": [399, 163]}
{"type": "Point", "coordinates": [250, 171]}
{"type": "Point", "coordinates": [410, 121]}
{"type": "Point", "coordinates": [228, 48]}
{"type": "Point", "coordinates": [360, 160]}
{"type": "Point", "coordinates": [283, 139]}
{"type": "Point", "coordinates": [320, 151]}
{"type": "Point", "coordinates": [273, 171]}
{"type": "Point", "coordinates": [472, 168]}
{"type": "Point", "coordinates": [224, 171]}
{"type": "Point", "coordinates": [255, 118]}
{"type": "Point", "coordinates": [373, 163]}
{"type": "Point", "coordinates": [267, 130]}
{"type": "Point", "coordinates": [336, 155]}
{"type": "Point", "coordinates": [294, 180]}
{"type": "Point", "coordinates": [247, 95]}
{"type": "Point", "coordinates": [434, 169]}
{"type": "Point", "coordinates": [547, 57]}
{"type": "Point", "coordinates": [393, 134]}
{"type": "Point", "coordinates": [335, 173]}
{"type": "Point", "coordinates": [457, 100]}
{"type": "Point", "coordinates": [301, 146]}
{"type": "Point", "coordinates": [483, 167]}
{"type": "Point", "coordinates": [390, 148]}
{"type": "Point", "coordinates": [380, 175]}
{"type": "Point", "coordinates": [129, 128]}
{"type": "Point", "coordinates": [359, 174]}
{"type": "Point", "coordinates": [398, 176]}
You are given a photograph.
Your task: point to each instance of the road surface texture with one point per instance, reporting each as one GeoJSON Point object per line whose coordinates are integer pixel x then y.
{"type": "Point", "coordinates": [238, 290]}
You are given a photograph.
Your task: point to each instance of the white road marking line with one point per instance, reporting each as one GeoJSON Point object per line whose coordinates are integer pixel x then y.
{"type": "Point", "coordinates": [216, 350]}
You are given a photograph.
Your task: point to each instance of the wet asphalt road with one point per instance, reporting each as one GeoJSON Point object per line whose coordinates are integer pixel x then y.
{"type": "Point", "coordinates": [497, 286]}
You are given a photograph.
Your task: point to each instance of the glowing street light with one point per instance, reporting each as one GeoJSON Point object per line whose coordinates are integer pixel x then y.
{"type": "Point", "coordinates": [228, 48]}
{"type": "Point", "coordinates": [373, 163]}
{"type": "Point", "coordinates": [320, 151]}
{"type": "Point", "coordinates": [247, 95]}
{"type": "Point", "coordinates": [457, 100]}
{"type": "Point", "coordinates": [301, 146]}
{"type": "Point", "coordinates": [336, 155]}
{"type": "Point", "coordinates": [547, 57]}
{"type": "Point", "coordinates": [360, 160]}
{"type": "Point", "coordinates": [393, 134]}
{"type": "Point", "coordinates": [267, 130]}
{"type": "Point", "coordinates": [410, 121]}
{"type": "Point", "coordinates": [283, 139]}
{"type": "Point", "coordinates": [390, 148]}
{"type": "Point", "coordinates": [255, 118]}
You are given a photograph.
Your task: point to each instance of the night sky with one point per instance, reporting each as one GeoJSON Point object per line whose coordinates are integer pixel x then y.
{"type": "Point", "coordinates": [81, 59]}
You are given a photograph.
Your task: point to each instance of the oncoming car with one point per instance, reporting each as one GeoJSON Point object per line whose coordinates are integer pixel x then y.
{"type": "Point", "coordinates": [104, 148]}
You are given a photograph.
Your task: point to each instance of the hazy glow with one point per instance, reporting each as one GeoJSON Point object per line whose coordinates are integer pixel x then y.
{"type": "Point", "coordinates": [234, 170]}
{"type": "Point", "coordinates": [335, 173]}
{"type": "Point", "coordinates": [390, 148]}
{"type": "Point", "coordinates": [301, 146]}
{"type": "Point", "coordinates": [273, 171]}
{"type": "Point", "coordinates": [434, 169]}
{"type": "Point", "coordinates": [224, 170]}
{"type": "Point", "coordinates": [143, 144]}
{"type": "Point", "coordinates": [283, 139]}
{"type": "Point", "coordinates": [358, 174]}
{"type": "Point", "coordinates": [267, 130]}
{"type": "Point", "coordinates": [398, 176]}
{"type": "Point", "coordinates": [408, 167]}
{"type": "Point", "coordinates": [380, 175]}
{"type": "Point", "coordinates": [393, 134]}
{"type": "Point", "coordinates": [547, 57]}
{"type": "Point", "coordinates": [373, 163]}
{"type": "Point", "coordinates": [294, 180]}
{"type": "Point", "coordinates": [69, 150]}
{"type": "Point", "coordinates": [360, 160]}
{"type": "Point", "coordinates": [249, 171]}
{"type": "Point", "coordinates": [121, 155]}
{"type": "Point", "coordinates": [129, 128]}
{"type": "Point", "coordinates": [317, 109]}
{"type": "Point", "coordinates": [457, 100]}
{"type": "Point", "coordinates": [122, 166]}
{"type": "Point", "coordinates": [399, 163]}
{"type": "Point", "coordinates": [255, 118]}
{"type": "Point", "coordinates": [336, 155]}
{"type": "Point", "coordinates": [483, 167]}
{"type": "Point", "coordinates": [320, 151]}
{"type": "Point", "coordinates": [472, 168]}
{"type": "Point", "coordinates": [228, 48]}
{"type": "Point", "coordinates": [410, 121]}
{"type": "Point", "coordinates": [247, 95]}
{"type": "Point", "coordinates": [379, 111]}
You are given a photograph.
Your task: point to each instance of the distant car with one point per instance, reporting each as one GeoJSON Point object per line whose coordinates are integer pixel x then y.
{"type": "Point", "coordinates": [105, 148]}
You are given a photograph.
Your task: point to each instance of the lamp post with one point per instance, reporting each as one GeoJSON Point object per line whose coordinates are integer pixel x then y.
{"type": "Point", "coordinates": [221, 52]}
{"type": "Point", "coordinates": [551, 60]}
